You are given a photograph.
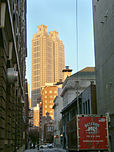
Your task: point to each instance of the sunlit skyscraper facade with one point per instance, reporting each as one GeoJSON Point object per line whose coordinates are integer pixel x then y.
{"type": "Point", "coordinates": [47, 60]}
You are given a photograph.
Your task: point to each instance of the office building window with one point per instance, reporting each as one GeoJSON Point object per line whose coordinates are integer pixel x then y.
{"type": "Point", "coordinates": [88, 107]}
{"type": "Point", "coordinates": [51, 106]}
{"type": "Point", "coordinates": [51, 101]}
{"type": "Point", "coordinates": [84, 108]}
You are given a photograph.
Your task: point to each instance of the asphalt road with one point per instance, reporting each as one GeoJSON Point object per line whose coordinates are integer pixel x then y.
{"type": "Point", "coordinates": [52, 150]}
{"type": "Point", "coordinates": [47, 150]}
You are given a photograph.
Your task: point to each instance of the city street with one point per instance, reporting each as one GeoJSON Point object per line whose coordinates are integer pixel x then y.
{"type": "Point", "coordinates": [46, 150]}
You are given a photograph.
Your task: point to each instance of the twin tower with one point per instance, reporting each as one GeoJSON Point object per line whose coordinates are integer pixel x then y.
{"type": "Point", "coordinates": [47, 60]}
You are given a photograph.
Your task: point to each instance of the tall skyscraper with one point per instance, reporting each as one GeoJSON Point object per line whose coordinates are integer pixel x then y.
{"type": "Point", "coordinates": [47, 55]}
{"type": "Point", "coordinates": [58, 56]}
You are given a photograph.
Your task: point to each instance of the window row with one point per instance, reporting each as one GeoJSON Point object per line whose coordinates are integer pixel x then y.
{"type": "Point", "coordinates": [49, 96]}
{"type": "Point", "coordinates": [51, 106]}
{"type": "Point", "coordinates": [51, 101]}
{"type": "Point", "coordinates": [51, 91]}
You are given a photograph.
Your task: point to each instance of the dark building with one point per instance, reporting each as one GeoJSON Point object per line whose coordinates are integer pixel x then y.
{"type": "Point", "coordinates": [13, 52]}
{"type": "Point", "coordinates": [45, 120]}
{"type": "Point", "coordinates": [49, 132]}
{"type": "Point", "coordinates": [31, 120]}
{"type": "Point", "coordinates": [26, 110]}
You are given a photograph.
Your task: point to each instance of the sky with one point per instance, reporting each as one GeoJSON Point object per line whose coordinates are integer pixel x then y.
{"type": "Point", "coordinates": [60, 15]}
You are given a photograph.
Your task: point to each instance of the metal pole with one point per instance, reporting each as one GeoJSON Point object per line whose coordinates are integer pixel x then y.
{"type": "Point", "coordinates": [77, 83]}
{"type": "Point", "coordinates": [77, 51]}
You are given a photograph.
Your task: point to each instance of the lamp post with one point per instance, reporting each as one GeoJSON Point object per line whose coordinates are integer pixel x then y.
{"type": "Point", "coordinates": [61, 138]}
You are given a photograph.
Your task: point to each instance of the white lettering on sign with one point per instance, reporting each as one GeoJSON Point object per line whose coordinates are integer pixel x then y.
{"type": "Point", "coordinates": [92, 124]}
{"type": "Point", "coordinates": [90, 140]}
{"type": "Point", "coordinates": [92, 127]}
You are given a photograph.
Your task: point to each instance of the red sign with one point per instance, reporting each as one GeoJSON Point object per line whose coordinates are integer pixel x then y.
{"type": "Point", "coordinates": [92, 133]}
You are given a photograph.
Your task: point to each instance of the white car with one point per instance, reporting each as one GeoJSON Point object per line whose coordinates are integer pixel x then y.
{"type": "Point", "coordinates": [50, 145]}
{"type": "Point", "coordinates": [44, 146]}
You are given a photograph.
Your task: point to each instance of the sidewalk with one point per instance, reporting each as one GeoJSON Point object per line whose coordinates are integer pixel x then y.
{"type": "Point", "coordinates": [60, 149]}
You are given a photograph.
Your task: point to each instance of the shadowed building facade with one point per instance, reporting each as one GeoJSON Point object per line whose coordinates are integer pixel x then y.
{"type": "Point", "coordinates": [103, 17]}
{"type": "Point", "coordinates": [13, 52]}
{"type": "Point", "coordinates": [47, 56]}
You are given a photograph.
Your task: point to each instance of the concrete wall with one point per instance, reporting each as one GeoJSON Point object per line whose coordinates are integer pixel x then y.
{"type": "Point", "coordinates": [104, 53]}
{"type": "Point", "coordinates": [103, 12]}
{"type": "Point", "coordinates": [72, 89]}
{"type": "Point", "coordinates": [69, 95]}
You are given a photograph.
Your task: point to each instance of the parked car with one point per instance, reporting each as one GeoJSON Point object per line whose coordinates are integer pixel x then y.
{"type": "Point", "coordinates": [43, 146]}
{"type": "Point", "coordinates": [51, 146]}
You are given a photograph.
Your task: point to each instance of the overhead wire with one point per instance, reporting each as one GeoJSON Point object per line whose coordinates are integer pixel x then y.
{"type": "Point", "coordinates": [77, 53]}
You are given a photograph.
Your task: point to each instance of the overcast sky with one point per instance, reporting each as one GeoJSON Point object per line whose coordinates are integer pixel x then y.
{"type": "Point", "coordinates": [60, 15]}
